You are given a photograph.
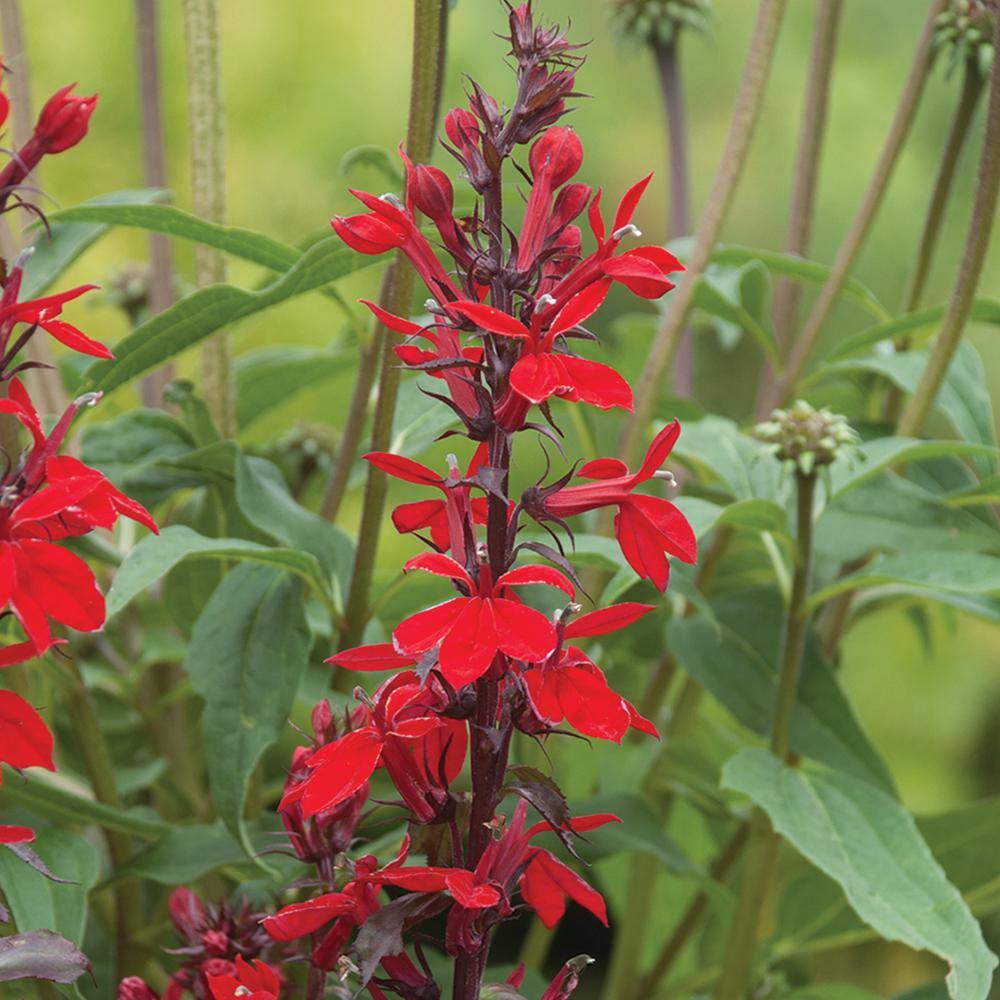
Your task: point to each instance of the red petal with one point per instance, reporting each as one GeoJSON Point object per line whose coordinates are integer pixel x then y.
{"type": "Point", "coordinates": [523, 633]}
{"type": "Point", "coordinates": [598, 384]}
{"type": "Point", "coordinates": [578, 824]}
{"type": "Point", "coordinates": [16, 834]}
{"type": "Point", "coordinates": [392, 322]}
{"type": "Point", "coordinates": [60, 583]}
{"type": "Point", "coordinates": [594, 217]}
{"type": "Point", "coordinates": [640, 544]}
{"type": "Point", "coordinates": [299, 919]}
{"type": "Point", "coordinates": [381, 656]}
{"type": "Point", "coordinates": [659, 450]}
{"type": "Point", "coordinates": [522, 575]}
{"type": "Point", "coordinates": [580, 308]}
{"type": "Point", "coordinates": [536, 377]}
{"type": "Point", "coordinates": [590, 706]}
{"type": "Point", "coordinates": [488, 318]}
{"type": "Point", "coordinates": [547, 882]}
{"type": "Point", "coordinates": [468, 892]}
{"type": "Point", "coordinates": [676, 534]}
{"type": "Point", "coordinates": [403, 468]}
{"type": "Point", "coordinates": [440, 565]}
{"type": "Point", "coordinates": [663, 259]}
{"type": "Point", "coordinates": [605, 620]}
{"type": "Point", "coordinates": [415, 516]}
{"type": "Point", "coordinates": [367, 234]}
{"type": "Point", "coordinates": [339, 769]}
{"type": "Point", "coordinates": [421, 631]}
{"type": "Point", "coordinates": [69, 335]}
{"type": "Point", "coordinates": [470, 646]}
{"type": "Point", "coordinates": [639, 275]}
{"type": "Point", "coordinates": [25, 740]}
{"type": "Point", "coordinates": [603, 468]}
{"type": "Point", "coordinates": [627, 206]}
{"type": "Point", "coordinates": [640, 722]}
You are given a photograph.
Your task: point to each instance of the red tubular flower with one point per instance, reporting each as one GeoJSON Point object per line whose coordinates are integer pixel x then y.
{"type": "Point", "coordinates": [472, 630]}
{"type": "Point", "coordinates": [422, 752]}
{"type": "Point", "coordinates": [540, 373]}
{"type": "Point", "coordinates": [648, 528]}
{"type": "Point", "coordinates": [251, 982]}
{"type": "Point", "coordinates": [388, 226]}
{"type": "Point", "coordinates": [567, 979]}
{"type": "Point", "coordinates": [47, 499]}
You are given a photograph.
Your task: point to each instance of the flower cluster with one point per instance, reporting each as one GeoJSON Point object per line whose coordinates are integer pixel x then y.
{"type": "Point", "coordinates": [45, 497]}
{"type": "Point", "coordinates": [508, 306]}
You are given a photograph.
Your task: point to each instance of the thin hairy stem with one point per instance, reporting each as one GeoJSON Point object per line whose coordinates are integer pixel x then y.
{"type": "Point", "coordinates": [788, 293]}
{"type": "Point", "coordinates": [854, 240]}
{"type": "Point", "coordinates": [762, 851]}
{"type": "Point", "coordinates": [208, 190]}
{"type": "Point", "coordinates": [425, 90]}
{"type": "Point", "coordinates": [748, 104]}
{"type": "Point", "coordinates": [977, 243]}
{"type": "Point", "coordinates": [154, 163]}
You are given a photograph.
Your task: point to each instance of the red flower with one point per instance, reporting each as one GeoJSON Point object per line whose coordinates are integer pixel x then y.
{"type": "Point", "coordinates": [471, 630]}
{"type": "Point", "coordinates": [540, 373]}
{"type": "Point", "coordinates": [648, 528]}
{"type": "Point", "coordinates": [251, 982]}
{"type": "Point", "coordinates": [50, 498]}
{"type": "Point", "coordinates": [422, 752]}
{"type": "Point", "coordinates": [64, 120]}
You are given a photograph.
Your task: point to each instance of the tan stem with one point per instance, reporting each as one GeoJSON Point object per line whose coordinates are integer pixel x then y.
{"type": "Point", "coordinates": [747, 111]}
{"type": "Point", "coordinates": [208, 190]}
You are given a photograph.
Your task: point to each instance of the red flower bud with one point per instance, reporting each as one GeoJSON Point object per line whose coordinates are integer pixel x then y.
{"type": "Point", "coordinates": [431, 192]}
{"type": "Point", "coordinates": [64, 120]}
{"type": "Point", "coordinates": [559, 152]}
{"type": "Point", "coordinates": [134, 988]}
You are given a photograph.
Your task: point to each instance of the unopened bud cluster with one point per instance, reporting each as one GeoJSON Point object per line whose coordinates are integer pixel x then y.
{"type": "Point", "coordinates": [659, 22]}
{"type": "Point", "coordinates": [964, 32]}
{"type": "Point", "coordinates": [806, 438]}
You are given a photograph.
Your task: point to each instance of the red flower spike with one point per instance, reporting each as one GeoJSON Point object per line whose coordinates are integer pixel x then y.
{"type": "Point", "coordinates": [648, 528]}
{"type": "Point", "coordinates": [251, 982]}
{"type": "Point", "coordinates": [25, 740]}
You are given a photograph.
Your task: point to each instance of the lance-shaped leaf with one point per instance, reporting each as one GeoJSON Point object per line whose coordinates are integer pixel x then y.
{"type": "Point", "coordinates": [866, 842]}
{"type": "Point", "coordinates": [41, 955]}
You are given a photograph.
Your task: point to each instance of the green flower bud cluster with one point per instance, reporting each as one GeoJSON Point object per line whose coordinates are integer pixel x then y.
{"type": "Point", "coordinates": [659, 22]}
{"type": "Point", "coordinates": [804, 438]}
{"type": "Point", "coordinates": [964, 34]}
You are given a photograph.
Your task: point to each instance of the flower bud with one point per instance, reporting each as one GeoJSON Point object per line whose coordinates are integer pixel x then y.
{"type": "Point", "coordinates": [806, 438]}
{"type": "Point", "coordinates": [134, 988]}
{"type": "Point", "coordinates": [431, 192]}
{"type": "Point", "coordinates": [557, 151]}
{"type": "Point", "coordinates": [186, 911]}
{"type": "Point", "coordinates": [64, 120]}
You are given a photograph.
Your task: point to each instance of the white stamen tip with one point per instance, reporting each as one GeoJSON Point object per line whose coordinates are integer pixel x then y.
{"type": "Point", "coordinates": [666, 476]}
{"type": "Point", "coordinates": [546, 300]}
{"type": "Point", "coordinates": [88, 399]}
{"type": "Point", "coordinates": [391, 199]}
{"type": "Point", "coordinates": [628, 230]}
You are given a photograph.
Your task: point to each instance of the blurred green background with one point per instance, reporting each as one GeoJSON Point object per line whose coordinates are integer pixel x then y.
{"type": "Point", "coordinates": [305, 82]}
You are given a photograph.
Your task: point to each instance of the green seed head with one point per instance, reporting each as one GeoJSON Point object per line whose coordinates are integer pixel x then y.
{"type": "Point", "coordinates": [964, 34]}
{"type": "Point", "coordinates": [806, 438]}
{"type": "Point", "coordinates": [659, 22]}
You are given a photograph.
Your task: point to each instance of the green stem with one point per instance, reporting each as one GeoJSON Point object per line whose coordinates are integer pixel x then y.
{"type": "Point", "coordinates": [762, 853]}
{"type": "Point", "coordinates": [425, 89]}
{"type": "Point", "coordinates": [154, 160]}
{"type": "Point", "coordinates": [100, 770]}
{"type": "Point", "coordinates": [788, 293]}
{"type": "Point", "coordinates": [852, 243]}
{"type": "Point", "coordinates": [208, 190]}
{"type": "Point", "coordinates": [976, 245]}
{"type": "Point", "coordinates": [741, 129]}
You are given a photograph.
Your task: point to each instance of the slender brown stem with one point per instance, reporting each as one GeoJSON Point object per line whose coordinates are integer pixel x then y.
{"type": "Point", "coordinates": [741, 129]}
{"type": "Point", "coordinates": [425, 88]}
{"type": "Point", "coordinates": [853, 241]}
{"type": "Point", "coordinates": [977, 243]}
{"type": "Point", "coordinates": [762, 853]}
{"type": "Point", "coordinates": [693, 914]}
{"type": "Point", "coordinates": [788, 293]}
{"type": "Point", "coordinates": [100, 770]}
{"type": "Point", "coordinates": [154, 161]}
{"type": "Point", "coordinates": [208, 190]}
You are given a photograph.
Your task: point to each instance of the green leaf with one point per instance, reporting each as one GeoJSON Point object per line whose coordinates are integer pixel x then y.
{"type": "Point", "coordinates": [733, 657]}
{"type": "Point", "coordinates": [60, 802]}
{"type": "Point", "coordinates": [865, 841]}
{"type": "Point", "coordinates": [922, 570]}
{"type": "Point", "coordinates": [171, 221]}
{"type": "Point", "coordinates": [727, 304]}
{"type": "Point", "coordinates": [57, 250]}
{"type": "Point", "coordinates": [911, 326]}
{"type": "Point", "coordinates": [880, 454]}
{"type": "Point", "coordinates": [37, 902]}
{"type": "Point", "coordinates": [964, 395]}
{"type": "Point", "coordinates": [247, 654]}
{"type": "Point", "coordinates": [792, 266]}
{"type": "Point", "coordinates": [185, 854]}
{"type": "Point", "coordinates": [831, 991]}
{"type": "Point", "coordinates": [156, 555]}
{"type": "Point", "coordinates": [209, 309]}
{"type": "Point", "coordinates": [270, 377]}
{"type": "Point", "coordinates": [375, 157]}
